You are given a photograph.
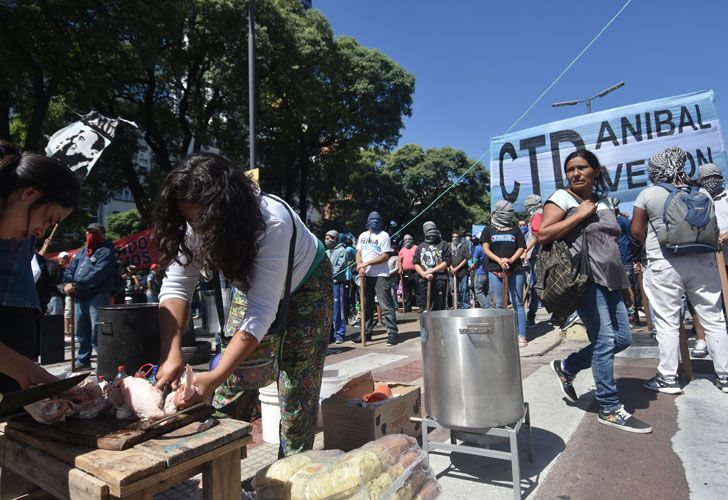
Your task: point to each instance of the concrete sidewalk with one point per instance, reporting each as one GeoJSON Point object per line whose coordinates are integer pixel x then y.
{"type": "Point", "coordinates": [574, 455]}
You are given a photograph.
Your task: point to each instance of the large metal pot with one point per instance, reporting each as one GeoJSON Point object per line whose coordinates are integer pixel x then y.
{"type": "Point", "coordinates": [472, 368]}
{"type": "Point", "coordinates": [128, 334]}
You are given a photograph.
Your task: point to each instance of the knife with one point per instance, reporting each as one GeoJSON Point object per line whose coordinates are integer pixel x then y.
{"type": "Point", "coordinates": [14, 401]}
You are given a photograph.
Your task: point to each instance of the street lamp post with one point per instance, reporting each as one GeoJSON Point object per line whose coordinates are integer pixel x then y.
{"type": "Point", "coordinates": [588, 100]}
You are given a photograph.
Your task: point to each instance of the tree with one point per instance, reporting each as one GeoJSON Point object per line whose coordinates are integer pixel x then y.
{"type": "Point", "coordinates": [124, 224]}
{"type": "Point", "coordinates": [404, 183]}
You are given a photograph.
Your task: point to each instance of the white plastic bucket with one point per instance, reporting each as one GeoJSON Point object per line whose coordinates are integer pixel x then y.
{"type": "Point", "coordinates": [333, 381]}
{"type": "Point", "coordinates": [270, 412]}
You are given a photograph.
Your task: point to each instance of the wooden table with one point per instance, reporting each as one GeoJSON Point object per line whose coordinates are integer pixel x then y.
{"type": "Point", "coordinates": [70, 472]}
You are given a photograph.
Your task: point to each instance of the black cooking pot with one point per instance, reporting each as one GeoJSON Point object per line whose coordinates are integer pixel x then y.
{"type": "Point", "coordinates": [128, 334]}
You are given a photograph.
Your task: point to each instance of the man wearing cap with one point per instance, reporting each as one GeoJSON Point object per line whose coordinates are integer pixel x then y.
{"type": "Point", "coordinates": [372, 253]}
{"type": "Point", "coordinates": [90, 280]}
{"type": "Point", "coordinates": [336, 252]}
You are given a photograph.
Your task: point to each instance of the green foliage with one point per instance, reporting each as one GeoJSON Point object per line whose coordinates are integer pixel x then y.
{"type": "Point", "coordinates": [124, 224]}
{"type": "Point", "coordinates": [403, 183]}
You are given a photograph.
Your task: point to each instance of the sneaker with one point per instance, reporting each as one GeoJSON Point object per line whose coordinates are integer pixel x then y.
{"type": "Point", "coordinates": [565, 380]}
{"type": "Point", "coordinates": [722, 383]}
{"type": "Point", "coordinates": [622, 419]}
{"type": "Point", "coordinates": [357, 339]}
{"type": "Point", "coordinates": [569, 321]}
{"type": "Point", "coordinates": [392, 341]}
{"type": "Point", "coordinates": [339, 342]}
{"type": "Point", "coordinates": [530, 323]}
{"type": "Point", "coordinates": [700, 350]}
{"type": "Point", "coordinates": [79, 367]}
{"type": "Point", "coordinates": [668, 385]}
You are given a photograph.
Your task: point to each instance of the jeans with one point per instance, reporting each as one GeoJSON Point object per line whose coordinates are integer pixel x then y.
{"type": "Point", "coordinates": [463, 291]}
{"type": "Point", "coordinates": [339, 326]}
{"type": "Point", "coordinates": [409, 289]}
{"type": "Point", "coordinates": [380, 287]}
{"type": "Point", "coordinates": [482, 291]}
{"type": "Point", "coordinates": [86, 329]}
{"type": "Point", "coordinates": [532, 295]}
{"type": "Point", "coordinates": [607, 325]}
{"type": "Point", "coordinates": [515, 288]}
{"type": "Point", "coordinates": [55, 305]}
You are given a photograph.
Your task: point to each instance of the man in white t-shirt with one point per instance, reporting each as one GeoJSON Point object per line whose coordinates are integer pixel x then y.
{"type": "Point", "coordinates": [372, 253]}
{"type": "Point", "coordinates": [669, 276]}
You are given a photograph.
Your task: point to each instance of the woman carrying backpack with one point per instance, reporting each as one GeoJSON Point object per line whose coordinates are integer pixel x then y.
{"type": "Point", "coordinates": [584, 207]}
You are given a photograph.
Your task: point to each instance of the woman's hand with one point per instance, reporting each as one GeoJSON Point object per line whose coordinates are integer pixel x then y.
{"type": "Point", "coordinates": [628, 297]}
{"type": "Point", "coordinates": [586, 209]}
{"type": "Point", "coordinates": [170, 369]}
{"type": "Point", "coordinates": [204, 385]}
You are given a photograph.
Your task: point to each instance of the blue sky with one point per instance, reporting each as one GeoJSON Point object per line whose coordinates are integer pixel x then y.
{"type": "Point", "coordinates": [479, 64]}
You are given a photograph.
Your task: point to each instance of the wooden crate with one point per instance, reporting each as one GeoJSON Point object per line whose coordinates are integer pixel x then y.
{"type": "Point", "coordinates": [70, 472]}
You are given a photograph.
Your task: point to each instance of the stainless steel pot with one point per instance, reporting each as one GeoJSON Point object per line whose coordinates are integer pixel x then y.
{"type": "Point", "coordinates": [472, 368]}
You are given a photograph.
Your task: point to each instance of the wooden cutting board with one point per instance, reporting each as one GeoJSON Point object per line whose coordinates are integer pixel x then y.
{"type": "Point", "coordinates": [103, 432]}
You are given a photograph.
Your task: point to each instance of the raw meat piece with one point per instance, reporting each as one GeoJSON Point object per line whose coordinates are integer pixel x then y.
{"type": "Point", "coordinates": [50, 411]}
{"type": "Point", "coordinates": [87, 399]}
{"type": "Point", "coordinates": [142, 397]}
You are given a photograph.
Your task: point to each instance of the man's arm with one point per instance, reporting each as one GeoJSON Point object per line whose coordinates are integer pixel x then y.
{"type": "Point", "coordinates": [639, 224]}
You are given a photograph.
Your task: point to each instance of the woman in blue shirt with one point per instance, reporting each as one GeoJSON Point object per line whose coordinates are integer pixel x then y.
{"type": "Point", "coordinates": [35, 192]}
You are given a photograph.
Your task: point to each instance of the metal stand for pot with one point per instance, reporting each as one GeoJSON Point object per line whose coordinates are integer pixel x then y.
{"type": "Point", "coordinates": [505, 431]}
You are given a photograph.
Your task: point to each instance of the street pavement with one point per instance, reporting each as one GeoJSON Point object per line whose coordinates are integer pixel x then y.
{"type": "Point", "coordinates": [574, 455]}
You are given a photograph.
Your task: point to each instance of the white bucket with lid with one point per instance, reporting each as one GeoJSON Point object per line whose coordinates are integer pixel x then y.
{"type": "Point", "coordinates": [270, 412]}
{"type": "Point", "coordinates": [333, 381]}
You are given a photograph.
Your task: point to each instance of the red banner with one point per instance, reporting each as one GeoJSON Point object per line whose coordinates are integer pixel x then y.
{"type": "Point", "coordinates": [136, 249]}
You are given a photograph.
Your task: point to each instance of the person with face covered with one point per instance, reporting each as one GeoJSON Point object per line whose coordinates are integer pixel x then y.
{"type": "Point", "coordinates": [372, 253]}
{"type": "Point", "coordinates": [336, 252]}
{"type": "Point", "coordinates": [35, 192]}
{"type": "Point", "coordinates": [90, 279]}
{"type": "Point", "coordinates": [460, 251]}
{"type": "Point", "coordinates": [432, 259]}
{"type": "Point", "coordinates": [408, 273]}
{"type": "Point", "coordinates": [503, 243]}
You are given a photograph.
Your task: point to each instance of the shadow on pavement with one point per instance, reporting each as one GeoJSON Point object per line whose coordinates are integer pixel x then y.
{"type": "Point", "coordinates": [492, 471]}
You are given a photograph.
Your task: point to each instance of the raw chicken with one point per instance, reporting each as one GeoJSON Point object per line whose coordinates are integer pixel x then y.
{"type": "Point", "coordinates": [142, 397]}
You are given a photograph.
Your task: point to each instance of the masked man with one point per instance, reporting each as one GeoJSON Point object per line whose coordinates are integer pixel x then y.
{"type": "Point", "coordinates": [408, 273]}
{"type": "Point", "coordinates": [90, 280]}
{"type": "Point", "coordinates": [432, 259]}
{"type": "Point", "coordinates": [336, 252]}
{"type": "Point", "coordinates": [372, 253]}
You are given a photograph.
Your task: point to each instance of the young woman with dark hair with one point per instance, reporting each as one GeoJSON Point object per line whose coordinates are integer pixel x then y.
{"type": "Point", "coordinates": [211, 215]}
{"type": "Point", "coordinates": [584, 207]}
{"type": "Point", "coordinates": [35, 192]}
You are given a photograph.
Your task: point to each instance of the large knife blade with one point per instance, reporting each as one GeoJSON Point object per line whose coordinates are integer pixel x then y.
{"type": "Point", "coordinates": [14, 401]}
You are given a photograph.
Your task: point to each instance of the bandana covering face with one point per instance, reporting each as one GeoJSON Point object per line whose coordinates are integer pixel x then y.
{"type": "Point", "coordinates": [503, 214]}
{"type": "Point", "coordinates": [532, 203]}
{"type": "Point", "coordinates": [432, 234]}
{"type": "Point", "coordinates": [93, 241]}
{"type": "Point", "coordinates": [668, 166]}
{"type": "Point", "coordinates": [711, 178]}
{"type": "Point", "coordinates": [374, 222]}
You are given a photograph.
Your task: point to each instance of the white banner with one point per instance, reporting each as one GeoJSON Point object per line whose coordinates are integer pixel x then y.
{"type": "Point", "coordinates": [531, 161]}
{"type": "Point", "coordinates": [80, 144]}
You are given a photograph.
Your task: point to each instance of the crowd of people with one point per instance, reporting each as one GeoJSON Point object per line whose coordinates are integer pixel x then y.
{"type": "Point", "coordinates": [292, 293]}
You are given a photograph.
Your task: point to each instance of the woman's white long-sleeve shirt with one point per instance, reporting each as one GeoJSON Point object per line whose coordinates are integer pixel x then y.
{"type": "Point", "coordinates": [268, 274]}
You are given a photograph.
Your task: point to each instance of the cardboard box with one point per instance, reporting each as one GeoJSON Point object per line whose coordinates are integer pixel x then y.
{"type": "Point", "coordinates": [348, 426]}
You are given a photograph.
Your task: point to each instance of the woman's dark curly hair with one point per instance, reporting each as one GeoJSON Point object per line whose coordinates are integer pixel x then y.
{"type": "Point", "coordinates": [228, 223]}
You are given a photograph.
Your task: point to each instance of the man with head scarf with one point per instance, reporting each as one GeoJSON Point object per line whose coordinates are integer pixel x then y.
{"type": "Point", "coordinates": [90, 278]}
{"type": "Point", "coordinates": [372, 253]}
{"type": "Point", "coordinates": [460, 250]}
{"type": "Point", "coordinates": [534, 208]}
{"type": "Point", "coordinates": [408, 273]}
{"type": "Point", "coordinates": [336, 252]}
{"type": "Point", "coordinates": [668, 276]}
{"type": "Point", "coordinates": [432, 258]}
